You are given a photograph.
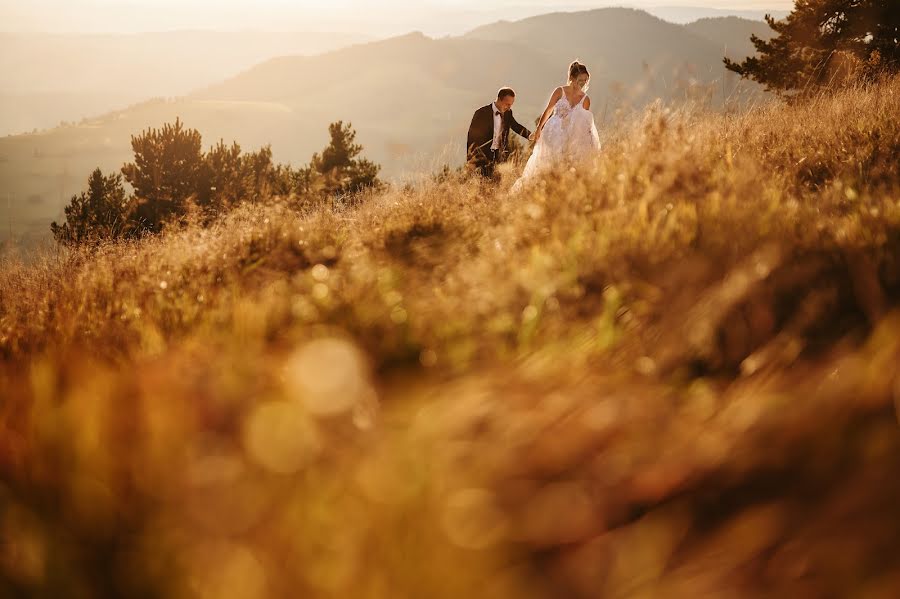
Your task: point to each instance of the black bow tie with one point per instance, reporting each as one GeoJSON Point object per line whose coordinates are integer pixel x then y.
{"type": "Point", "coordinates": [496, 113]}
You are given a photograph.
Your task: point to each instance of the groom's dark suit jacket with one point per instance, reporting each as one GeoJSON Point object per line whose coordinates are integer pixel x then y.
{"type": "Point", "coordinates": [481, 134]}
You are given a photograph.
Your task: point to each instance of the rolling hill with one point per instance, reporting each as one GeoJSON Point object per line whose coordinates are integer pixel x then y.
{"type": "Point", "coordinates": [731, 34]}
{"type": "Point", "coordinates": [71, 76]}
{"type": "Point", "coordinates": [676, 386]}
{"type": "Point", "coordinates": [689, 14]}
{"type": "Point", "coordinates": [630, 52]}
{"type": "Point", "coordinates": [410, 98]}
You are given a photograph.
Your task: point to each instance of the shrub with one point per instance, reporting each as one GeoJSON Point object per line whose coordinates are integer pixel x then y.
{"type": "Point", "coordinates": [339, 166]}
{"type": "Point", "coordinates": [164, 174]}
{"type": "Point", "coordinates": [101, 212]}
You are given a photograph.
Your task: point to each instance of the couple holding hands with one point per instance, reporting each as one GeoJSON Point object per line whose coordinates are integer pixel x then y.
{"type": "Point", "coordinates": [565, 135]}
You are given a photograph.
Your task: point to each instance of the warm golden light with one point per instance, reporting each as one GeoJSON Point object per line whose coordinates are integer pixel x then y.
{"type": "Point", "coordinates": [273, 326]}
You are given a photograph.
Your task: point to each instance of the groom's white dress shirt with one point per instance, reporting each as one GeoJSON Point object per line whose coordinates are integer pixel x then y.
{"type": "Point", "coordinates": [498, 126]}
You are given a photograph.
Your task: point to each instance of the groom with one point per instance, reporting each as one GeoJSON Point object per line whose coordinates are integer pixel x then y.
{"type": "Point", "coordinates": [488, 140]}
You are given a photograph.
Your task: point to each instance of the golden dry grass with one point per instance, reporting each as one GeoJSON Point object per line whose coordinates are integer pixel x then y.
{"type": "Point", "coordinates": [673, 376]}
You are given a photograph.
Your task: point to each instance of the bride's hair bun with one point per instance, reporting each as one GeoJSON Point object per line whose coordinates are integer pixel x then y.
{"type": "Point", "coordinates": [576, 69]}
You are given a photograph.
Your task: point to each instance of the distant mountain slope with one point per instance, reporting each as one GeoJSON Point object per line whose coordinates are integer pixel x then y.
{"type": "Point", "coordinates": [411, 82]}
{"type": "Point", "coordinates": [48, 78]}
{"type": "Point", "coordinates": [410, 98]}
{"type": "Point", "coordinates": [689, 14]}
{"type": "Point", "coordinates": [623, 47]}
{"type": "Point", "coordinates": [731, 34]}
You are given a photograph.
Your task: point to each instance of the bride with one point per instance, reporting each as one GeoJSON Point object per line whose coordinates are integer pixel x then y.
{"type": "Point", "coordinates": [566, 133]}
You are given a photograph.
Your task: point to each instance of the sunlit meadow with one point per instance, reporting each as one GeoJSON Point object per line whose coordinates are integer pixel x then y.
{"type": "Point", "coordinates": [671, 375]}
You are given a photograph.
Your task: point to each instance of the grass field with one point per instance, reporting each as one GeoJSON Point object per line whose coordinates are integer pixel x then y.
{"type": "Point", "coordinates": [672, 375]}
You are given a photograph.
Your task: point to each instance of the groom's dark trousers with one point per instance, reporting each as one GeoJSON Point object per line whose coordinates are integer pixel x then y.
{"type": "Point", "coordinates": [479, 154]}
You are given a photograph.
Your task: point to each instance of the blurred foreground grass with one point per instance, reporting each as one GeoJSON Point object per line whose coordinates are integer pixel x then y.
{"type": "Point", "coordinates": [672, 376]}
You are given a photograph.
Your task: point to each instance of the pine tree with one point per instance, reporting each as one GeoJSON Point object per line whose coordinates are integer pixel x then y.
{"type": "Point", "coordinates": [221, 180]}
{"type": "Point", "coordinates": [165, 173]}
{"type": "Point", "coordinates": [228, 177]}
{"type": "Point", "coordinates": [822, 42]}
{"type": "Point", "coordinates": [341, 169]}
{"type": "Point", "coordinates": [102, 212]}
{"type": "Point", "coordinates": [258, 173]}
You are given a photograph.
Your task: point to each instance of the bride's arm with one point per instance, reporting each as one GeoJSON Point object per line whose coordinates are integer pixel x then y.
{"type": "Point", "coordinates": [554, 98]}
{"type": "Point", "coordinates": [587, 103]}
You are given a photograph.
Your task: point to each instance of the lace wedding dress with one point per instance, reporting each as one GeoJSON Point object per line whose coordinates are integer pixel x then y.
{"type": "Point", "coordinates": [569, 138]}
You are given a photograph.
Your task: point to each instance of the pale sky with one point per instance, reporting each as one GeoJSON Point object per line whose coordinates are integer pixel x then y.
{"type": "Point", "coordinates": [375, 17]}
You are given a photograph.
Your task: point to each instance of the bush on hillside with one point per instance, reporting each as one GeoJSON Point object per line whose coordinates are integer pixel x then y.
{"type": "Point", "coordinates": [102, 212]}
{"type": "Point", "coordinates": [229, 177]}
{"type": "Point", "coordinates": [339, 166]}
{"type": "Point", "coordinates": [164, 174]}
{"type": "Point", "coordinates": [173, 179]}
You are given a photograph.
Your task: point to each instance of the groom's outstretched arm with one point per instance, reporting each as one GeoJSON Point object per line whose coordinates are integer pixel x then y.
{"type": "Point", "coordinates": [515, 126]}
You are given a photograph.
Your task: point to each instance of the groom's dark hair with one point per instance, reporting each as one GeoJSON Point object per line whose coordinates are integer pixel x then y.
{"type": "Point", "coordinates": [505, 91]}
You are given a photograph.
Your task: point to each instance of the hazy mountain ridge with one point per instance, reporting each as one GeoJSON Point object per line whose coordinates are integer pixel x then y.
{"type": "Point", "coordinates": [605, 40]}
{"type": "Point", "coordinates": [410, 98]}
{"type": "Point", "coordinates": [732, 34]}
{"type": "Point", "coordinates": [689, 14]}
{"type": "Point", "coordinates": [103, 72]}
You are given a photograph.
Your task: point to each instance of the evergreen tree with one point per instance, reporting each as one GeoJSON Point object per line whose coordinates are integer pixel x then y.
{"type": "Point", "coordinates": [258, 173]}
{"type": "Point", "coordinates": [290, 181]}
{"type": "Point", "coordinates": [339, 166]}
{"type": "Point", "coordinates": [228, 177]}
{"type": "Point", "coordinates": [221, 177]}
{"type": "Point", "coordinates": [823, 40]}
{"type": "Point", "coordinates": [102, 212]}
{"type": "Point", "coordinates": [165, 173]}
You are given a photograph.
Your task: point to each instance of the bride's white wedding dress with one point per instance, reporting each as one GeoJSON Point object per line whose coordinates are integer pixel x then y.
{"type": "Point", "coordinates": [569, 137]}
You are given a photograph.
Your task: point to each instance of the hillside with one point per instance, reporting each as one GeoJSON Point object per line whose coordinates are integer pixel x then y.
{"type": "Point", "coordinates": [73, 76]}
{"type": "Point", "coordinates": [673, 374]}
{"type": "Point", "coordinates": [410, 98]}
{"type": "Point", "coordinates": [731, 34]}
{"type": "Point", "coordinates": [690, 14]}
{"type": "Point", "coordinates": [634, 57]}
